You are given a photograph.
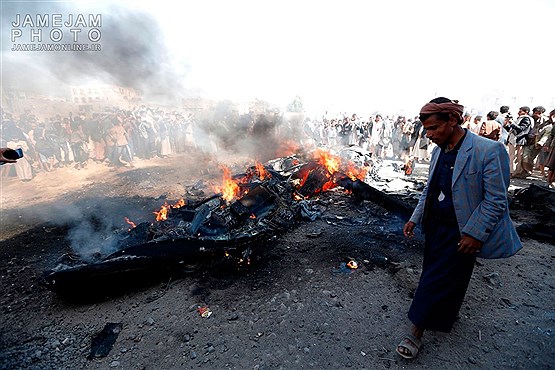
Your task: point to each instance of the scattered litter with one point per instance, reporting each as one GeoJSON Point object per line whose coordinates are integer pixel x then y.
{"type": "Point", "coordinates": [347, 266]}
{"type": "Point", "coordinates": [492, 278]}
{"type": "Point", "coordinates": [204, 311]}
{"type": "Point", "coordinates": [103, 342]}
{"type": "Point", "coordinates": [343, 269]}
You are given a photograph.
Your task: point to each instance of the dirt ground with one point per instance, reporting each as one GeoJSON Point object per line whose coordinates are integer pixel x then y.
{"type": "Point", "coordinates": [293, 307]}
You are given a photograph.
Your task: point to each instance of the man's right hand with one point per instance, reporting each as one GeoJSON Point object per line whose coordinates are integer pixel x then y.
{"type": "Point", "coordinates": [4, 159]}
{"type": "Point", "coordinates": [408, 229]}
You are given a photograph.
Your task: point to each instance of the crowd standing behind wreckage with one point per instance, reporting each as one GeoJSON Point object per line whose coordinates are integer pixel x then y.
{"type": "Point", "coordinates": [116, 136]}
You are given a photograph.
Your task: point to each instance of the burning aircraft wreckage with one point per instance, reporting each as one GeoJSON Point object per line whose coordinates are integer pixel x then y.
{"type": "Point", "coordinates": [247, 211]}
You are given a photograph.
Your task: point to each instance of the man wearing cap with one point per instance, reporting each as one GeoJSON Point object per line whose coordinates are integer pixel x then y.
{"type": "Point", "coordinates": [464, 214]}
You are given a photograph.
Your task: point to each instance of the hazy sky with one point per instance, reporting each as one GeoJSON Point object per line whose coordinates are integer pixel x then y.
{"type": "Point", "coordinates": [355, 56]}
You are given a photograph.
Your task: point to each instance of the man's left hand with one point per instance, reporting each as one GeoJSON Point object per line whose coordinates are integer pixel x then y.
{"type": "Point", "coordinates": [469, 245]}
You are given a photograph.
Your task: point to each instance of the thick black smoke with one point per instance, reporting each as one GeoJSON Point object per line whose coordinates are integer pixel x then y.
{"type": "Point", "coordinates": [258, 136]}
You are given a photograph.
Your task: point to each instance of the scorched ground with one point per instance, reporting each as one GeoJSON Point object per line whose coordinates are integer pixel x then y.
{"type": "Point", "coordinates": [294, 306]}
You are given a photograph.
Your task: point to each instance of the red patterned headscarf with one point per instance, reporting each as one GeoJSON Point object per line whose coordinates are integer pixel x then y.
{"type": "Point", "coordinates": [452, 107]}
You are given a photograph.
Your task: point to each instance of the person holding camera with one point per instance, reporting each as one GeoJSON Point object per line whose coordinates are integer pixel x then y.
{"type": "Point", "coordinates": [21, 165]}
{"type": "Point", "coordinates": [5, 159]}
{"type": "Point", "coordinates": [522, 130]}
{"type": "Point", "coordinates": [504, 134]}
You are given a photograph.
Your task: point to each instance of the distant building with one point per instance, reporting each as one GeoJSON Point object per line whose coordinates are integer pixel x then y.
{"type": "Point", "coordinates": [125, 97]}
{"type": "Point", "coordinates": [18, 101]}
{"type": "Point", "coordinates": [197, 104]}
{"type": "Point", "coordinates": [82, 98]}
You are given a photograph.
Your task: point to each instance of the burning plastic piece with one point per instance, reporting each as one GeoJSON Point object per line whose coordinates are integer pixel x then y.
{"type": "Point", "coordinates": [204, 311]}
{"type": "Point", "coordinates": [352, 264]}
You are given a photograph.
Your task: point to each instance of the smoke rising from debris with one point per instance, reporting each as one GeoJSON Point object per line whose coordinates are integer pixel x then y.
{"type": "Point", "coordinates": [89, 237]}
{"type": "Point", "coordinates": [133, 53]}
{"type": "Point", "coordinates": [259, 137]}
{"type": "Point", "coordinates": [92, 224]}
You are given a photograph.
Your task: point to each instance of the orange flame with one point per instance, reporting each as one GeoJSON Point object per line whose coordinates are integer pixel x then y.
{"type": "Point", "coordinates": [356, 173]}
{"type": "Point", "coordinates": [330, 161]}
{"type": "Point", "coordinates": [229, 188]}
{"type": "Point", "coordinates": [408, 166]}
{"type": "Point", "coordinates": [261, 172]}
{"type": "Point", "coordinates": [179, 204]}
{"type": "Point", "coordinates": [162, 214]}
{"type": "Point", "coordinates": [329, 185]}
{"type": "Point", "coordinates": [333, 164]}
{"type": "Point", "coordinates": [130, 223]}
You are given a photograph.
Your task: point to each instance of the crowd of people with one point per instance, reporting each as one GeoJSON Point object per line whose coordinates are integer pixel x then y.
{"type": "Point", "coordinates": [117, 136]}
{"type": "Point", "coordinates": [114, 137]}
{"type": "Point", "coordinates": [528, 137]}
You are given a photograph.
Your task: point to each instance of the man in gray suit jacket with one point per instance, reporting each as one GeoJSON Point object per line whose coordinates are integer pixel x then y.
{"type": "Point", "coordinates": [464, 214]}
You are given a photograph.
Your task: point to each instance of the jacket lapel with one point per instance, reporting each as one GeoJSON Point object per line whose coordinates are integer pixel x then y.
{"type": "Point", "coordinates": [433, 162]}
{"type": "Point", "coordinates": [462, 157]}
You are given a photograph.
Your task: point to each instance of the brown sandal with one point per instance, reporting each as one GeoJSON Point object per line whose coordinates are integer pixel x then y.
{"type": "Point", "coordinates": [410, 344]}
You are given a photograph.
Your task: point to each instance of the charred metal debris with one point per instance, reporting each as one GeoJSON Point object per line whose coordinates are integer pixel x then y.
{"type": "Point", "coordinates": [266, 201]}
